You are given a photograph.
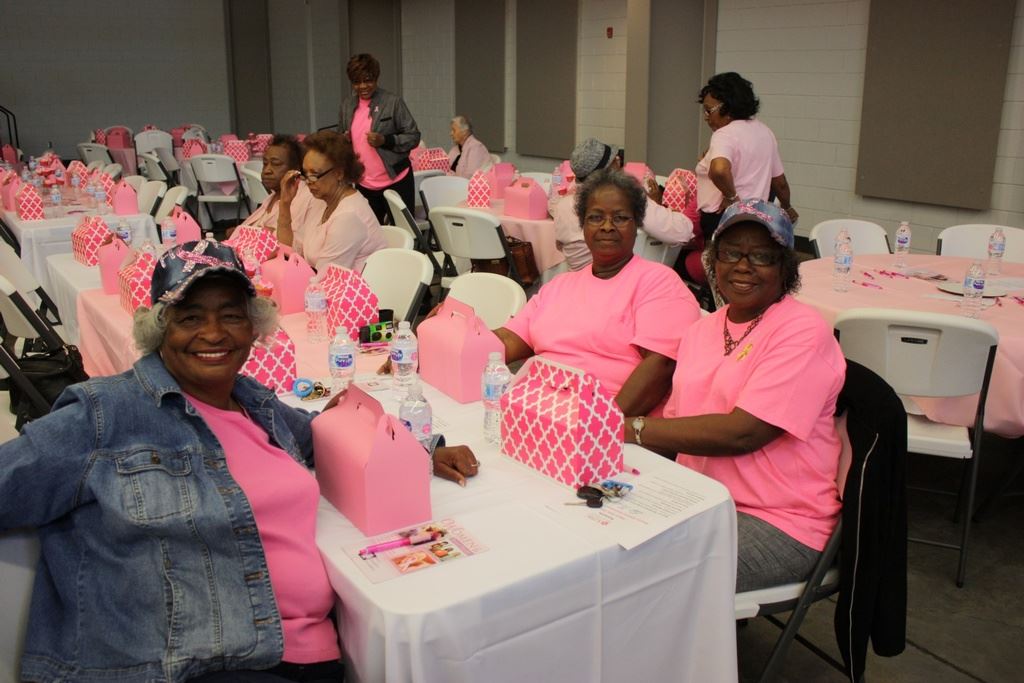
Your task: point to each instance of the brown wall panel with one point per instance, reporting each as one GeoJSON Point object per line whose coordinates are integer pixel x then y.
{"type": "Point", "coordinates": [545, 78]}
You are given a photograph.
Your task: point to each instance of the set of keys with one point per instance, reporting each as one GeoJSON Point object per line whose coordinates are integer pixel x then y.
{"type": "Point", "coordinates": [594, 495]}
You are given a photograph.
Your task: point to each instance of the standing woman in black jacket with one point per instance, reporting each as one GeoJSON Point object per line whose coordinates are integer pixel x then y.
{"type": "Point", "coordinates": [383, 132]}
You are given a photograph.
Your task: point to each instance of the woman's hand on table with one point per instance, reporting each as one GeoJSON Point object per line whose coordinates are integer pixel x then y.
{"type": "Point", "coordinates": [455, 463]}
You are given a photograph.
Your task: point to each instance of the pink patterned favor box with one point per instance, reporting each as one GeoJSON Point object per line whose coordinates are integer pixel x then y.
{"type": "Point", "coordinates": [561, 422]}
{"type": "Point", "coordinates": [260, 241]}
{"type": "Point", "coordinates": [88, 236]}
{"type": "Point", "coordinates": [478, 192]}
{"type": "Point", "coordinates": [433, 159]}
{"type": "Point", "coordinates": [30, 205]}
{"type": "Point", "coordinates": [134, 279]}
{"type": "Point", "coordinates": [680, 191]}
{"type": "Point", "coordinates": [350, 302]}
{"type": "Point", "coordinates": [237, 150]}
{"type": "Point", "coordinates": [272, 362]}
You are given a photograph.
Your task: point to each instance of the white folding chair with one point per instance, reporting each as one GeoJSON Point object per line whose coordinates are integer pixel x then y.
{"type": "Point", "coordinates": [543, 179]}
{"type": "Point", "coordinates": [196, 132]}
{"type": "Point", "coordinates": [398, 238]}
{"type": "Point", "coordinates": [971, 240]}
{"type": "Point", "coordinates": [418, 178]}
{"type": "Point", "coordinates": [135, 181]}
{"type": "Point", "coordinates": [175, 196]}
{"type": "Point", "coordinates": [400, 278]}
{"type": "Point", "coordinates": [18, 274]}
{"type": "Point", "coordinates": [495, 159]}
{"type": "Point", "coordinates": [19, 555]}
{"type": "Point", "coordinates": [404, 220]}
{"type": "Point", "coordinates": [155, 169]}
{"type": "Point", "coordinates": [470, 234]}
{"type": "Point", "coordinates": [929, 355]}
{"type": "Point", "coordinates": [151, 140]}
{"type": "Point", "coordinates": [94, 165]}
{"type": "Point", "coordinates": [652, 249]}
{"type": "Point", "coordinates": [254, 187]}
{"type": "Point", "coordinates": [150, 194]}
{"type": "Point", "coordinates": [865, 237]}
{"type": "Point", "coordinates": [441, 190]}
{"type": "Point", "coordinates": [495, 298]}
{"type": "Point", "coordinates": [218, 182]}
{"type": "Point", "coordinates": [91, 151]}
{"type": "Point", "coordinates": [113, 170]}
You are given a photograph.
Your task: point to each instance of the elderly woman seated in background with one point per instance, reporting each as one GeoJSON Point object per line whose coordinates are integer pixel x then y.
{"type": "Point", "coordinates": [283, 154]}
{"type": "Point", "coordinates": [753, 400]}
{"type": "Point", "coordinates": [592, 155]}
{"type": "Point", "coordinates": [346, 231]}
{"type": "Point", "coordinates": [469, 155]}
{"type": "Point", "coordinates": [179, 479]}
{"type": "Point", "coordinates": [620, 318]}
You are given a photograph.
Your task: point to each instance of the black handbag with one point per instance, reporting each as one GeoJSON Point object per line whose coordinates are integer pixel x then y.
{"type": "Point", "coordinates": [50, 373]}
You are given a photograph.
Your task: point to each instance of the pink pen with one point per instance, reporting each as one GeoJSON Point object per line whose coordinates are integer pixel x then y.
{"type": "Point", "coordinates": [867, 284]}
{"type": "Point", "coordinates": [418, 538]}
{"type": "Point", "coordinates": [867, 274]}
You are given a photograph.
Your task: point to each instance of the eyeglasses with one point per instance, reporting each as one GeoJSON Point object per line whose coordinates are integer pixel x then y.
{"type": "Point", "coordinates": [761, 258]}
{"type": "Point", "coordinates": [709, 112]}
{"type": "Point", "coordinates": [598, 220]}
{"type": "Point", "coordinates": [311, 178]}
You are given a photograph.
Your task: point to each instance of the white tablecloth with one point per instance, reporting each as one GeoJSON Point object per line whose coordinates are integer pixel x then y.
{"type": "Point", "coordinates": [40, 239]}
{"type": "Point", "coordinates": [67, 278]}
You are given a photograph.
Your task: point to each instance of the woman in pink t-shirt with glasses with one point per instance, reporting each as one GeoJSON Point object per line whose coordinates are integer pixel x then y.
{"type": "Point", "coordinates": [754, 397]}
{"type": "Point", "coordinates": [383, 132]}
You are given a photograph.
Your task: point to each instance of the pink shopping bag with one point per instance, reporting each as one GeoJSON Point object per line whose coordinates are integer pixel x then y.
{"type": "Point", "coordinates": [478, 192]}
{"type": "Point", "coordinates": [86, 239]}
{"type": "Point", "coordinates": [133, 281]}
{"type": "Point", "coordinates": [370, 467]}
{"type": "Point", "coordinates": [681, 193]}
{"type": "Point", "coordinates": [453, 350]}
{"type": "Point", "coordinates": [272, 362]}
{"type": "Point", "coordinates": [124, 200]}
{"type": "Point", "coordinates": [112, 257]}
{"type": "Point", "coordinates": [30, 205]}
{"type": "Point", "coordinates": [500, 177]}
{"type": "Point", "coordinates": [561, 422]}
{"type": "Point", "coordinates": [289, 274]}
{"type": "Point", "coordinates": [525, 198]}
{"type": "Point", "coordinates": [251, 238]}
{"type": "Point", "coordinates": [350, 303]}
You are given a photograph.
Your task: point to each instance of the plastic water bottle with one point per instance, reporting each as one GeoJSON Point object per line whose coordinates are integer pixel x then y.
{"type": "Point", "coordinates": [76, 187]}
{"type": "Point", "coordinates": [556, 180]}
{"type": "Point", "coordinates": [902, 245]}
{"type": "Point", "coordinates": [996, 248]}
{"type": "Point", "coordinates": [416, 415]}
{"type": "Point", "coordinates": [495, 381]}
{"type": "Point", "coordinates": [56, 198]}
{"type": "Point", "coordinates": [404, 356]}
{"type": "Point", "coordinates": [168, 230]}
{"type": "Point", "coordinates": [124, 231]}
{"type": "Point", "coordinates": [842, 262]}
{"type": "Point", "coordinates": [974, 288]}
{"type": "Point", "coordinates": [210, 238]}
{"type": "Point", "coordinates": [316, 313]}
{"type": "Point", "coordinates": [341, 359]}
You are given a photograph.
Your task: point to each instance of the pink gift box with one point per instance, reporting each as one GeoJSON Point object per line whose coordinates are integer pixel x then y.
{"type": "Point", "coordinates": [561, 422]}
{"type": "Point", "coordinates": [350, 303]}
{"type": "Point", "coordinates": [77, 168]}
{"type": "Point", "coordinates": [500, 177]}
{"type": "Point", "coordinates": [260, 143]}
{"type": "Point", "coordinates": [226, 138]}
{"type": "Point", "coordinates": [680, 192]}
{"type": "Point", "coordinates": [177, 136]}
{"type": "Point", "coordinates": [433, 159]}
{"type": "Point", "coordinates": [237, 150]}
{"type": "Point", "coordinates": [10, 191]}
{"type": "Point", "coordinates": [99, 136]}
{"type": "Point", "coordinates": [260, 241]}
{"type": "Point", "coordinates": [478, 192]}
{"type": "Point", "coordinates": [640, 171]}
{"type": "Point", "coordinates": [123, 199]}
{"type": "Point", "coordinates": [453, 350]}
{"type": "Point", "coordinates": [525, 198]}
{"type": "Point", "coordinates": [107, 183]}
{"type": "Point", "coordinates": [289, 274]}
{"type": "Point", "coordinates": [272, 362]}
{"type": "Point", "coordinates": [119, 137]}
{"type": "Point", "coordinates": [370, 467]}
{"type": "Point", "coordinates": [112, 257]}
{"type": "Point", "coordinates": [86, 239]}
{"type": "Point", "coordinates": [193, 147]}
{"type": "Point", "coordinates": [30, 205]}
{"type": "Point", "coordinates": [134, 279]}
{"type": "Point", "coordinates": [186, 228]}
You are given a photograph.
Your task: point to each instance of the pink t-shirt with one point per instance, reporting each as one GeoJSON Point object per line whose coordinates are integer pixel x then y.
{"type": "Point", "coordinates": [788, 372]}
{"type": "Point", "coordinates": [347, 238]}
{"type": "Point", "coordinates": [595, 325]}
{"type": "Point", "coordinates": [284, 497]}
{"type": "Point", "coordinates": [376, 175]}
{"type": "Point", "coordinates": [751, 149]}
{"type": "Point", "coordinates": [305, 207]}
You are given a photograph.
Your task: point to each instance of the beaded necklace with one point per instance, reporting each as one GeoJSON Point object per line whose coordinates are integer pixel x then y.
{"type": "Point", "coordinates": [730, 344]}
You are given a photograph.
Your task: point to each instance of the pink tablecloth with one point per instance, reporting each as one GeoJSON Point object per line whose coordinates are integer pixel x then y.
{"type": "Point", "coordinates": [1004, 412]}
{"type": "Point", "coordinates": [541, 234]}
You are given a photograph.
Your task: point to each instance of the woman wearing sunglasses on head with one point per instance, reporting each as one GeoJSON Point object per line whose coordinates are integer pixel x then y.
{"type": "Point", "coordinates": [346, 232]}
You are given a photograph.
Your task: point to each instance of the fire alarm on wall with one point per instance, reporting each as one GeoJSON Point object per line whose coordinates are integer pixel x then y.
{"type": "Point", "coordinates": [609, 31]}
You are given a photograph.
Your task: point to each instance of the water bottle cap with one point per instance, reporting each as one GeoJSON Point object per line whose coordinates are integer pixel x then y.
{"type": "Point", "coordinates": [415, 390]}
{"type": "Point", "coordinates": [405, 325]}
{"type": "Point", "coordinates": [341, 331]}
{"type": "Point", "coordinates": [494, 356]}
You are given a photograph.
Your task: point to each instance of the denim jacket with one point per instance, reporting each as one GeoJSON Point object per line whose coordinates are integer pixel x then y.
{"type": "Point", "coordinates": [152, 568]}
{"type": "Point", "coordinates": [390, 117]}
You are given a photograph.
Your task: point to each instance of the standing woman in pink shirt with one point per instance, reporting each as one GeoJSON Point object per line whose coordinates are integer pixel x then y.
{"type": "Point", "coordinates": [742, 161]}
{"type": "Point", "coordinates": [383, 132]}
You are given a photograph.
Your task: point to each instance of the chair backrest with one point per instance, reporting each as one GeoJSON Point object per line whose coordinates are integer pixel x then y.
{"type": "Point", "coordinates": [15, 270]}
{"type": "Point", "coordinates": [167, 158]}
{"type": "Point", "coordinates": [155, 170]}
{"type": "Point", "coordinates": [402, 216]}
{"type": "Point", "coordinates": [495, 159]}
{"type": "Point", "coordinates": [135, 181]}
{"type": "Point", "coordinates": [175, 196]}
{"type": "Point", "coordinates": [865, 237]}
{"type": "Point", "coordinates": [96, 164]}
{"type": "Point", "coordinates": [211, 169]}
{"type": "Point", "coordinates": [195, 132]}
{"type": "Point", "coordinates": [468, 233]}
{"type": "Point", "coordinates": [398, 238]}
{"type": "Point", "coordinates": [20, 319]}
{"type": "Point", "coordinates": [399, 278]}
{"type": "Point", "coordinates": [151, 140]}
{"type": "Point", "coordinates": [495, 298]}
{"type": "Point", "coordinates": [113, 170]}
{"type": "Point", "coordinates": [19, 555]}
{"type": "Point", "coordinates": [971, 240]}
{"type": "Point", "coordinates": [150, 194]}
{"type": "Point", "coordinates": [918, 353]}
{"type": "Point", "coordinates": [91, 151]}
{"type": "Point", "coordinates": [254, 186]}
{"type": "Point", "coordinates": [652, 249]}
{"type": "Point", "coordinates": [443, 190]}
{"type": "Point", "coordinates": [543, 179]}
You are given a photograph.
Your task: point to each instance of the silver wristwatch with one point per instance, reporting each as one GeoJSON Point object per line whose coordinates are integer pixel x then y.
{"type": "Point", "coordinates": [638, 428]}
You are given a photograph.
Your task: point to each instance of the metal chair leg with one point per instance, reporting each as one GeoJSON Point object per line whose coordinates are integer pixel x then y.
{"type": "Point", "coordinates": [968, 515]}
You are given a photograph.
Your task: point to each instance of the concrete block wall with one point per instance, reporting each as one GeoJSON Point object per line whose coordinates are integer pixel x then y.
{"type": "Point", "coordinates": [806, 60]}
{"type": "Point", "coordinates": [428, 66]}
{"type": "Point", "coordinates": [601, 72]}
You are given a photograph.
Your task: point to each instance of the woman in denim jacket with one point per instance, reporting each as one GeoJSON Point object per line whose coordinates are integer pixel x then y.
{"type": "Point", "coordinates": [174, 504]}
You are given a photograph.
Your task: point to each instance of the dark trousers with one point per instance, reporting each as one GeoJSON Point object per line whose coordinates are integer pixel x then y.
{"type": "Point", "coordinates": [321, 672]}
{"type": "Point", "coordinates": [406, 188]}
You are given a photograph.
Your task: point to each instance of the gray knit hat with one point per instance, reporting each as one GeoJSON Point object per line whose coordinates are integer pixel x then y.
{"type": "Point", "coordinates": [589, 156]}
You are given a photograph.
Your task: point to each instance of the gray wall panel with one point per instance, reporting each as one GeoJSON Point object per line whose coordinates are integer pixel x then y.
{"type": "Point", "coordinates": [480, 68]}
{"type": "Point", "coordinates": [545, 77]}
{"type": "Point", "coordinates": [250, 66]}
{"type": "Point", "coordinates": [375, 27]}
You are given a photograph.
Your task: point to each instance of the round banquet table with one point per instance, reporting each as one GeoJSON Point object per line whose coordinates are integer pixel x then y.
{"type": "Point", "coordinates": [1004, 411]}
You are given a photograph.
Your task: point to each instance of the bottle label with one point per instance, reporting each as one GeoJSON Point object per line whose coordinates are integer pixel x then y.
{"type": "Point", "coordinates": [342, 361]}
{"type": "Point", "coordinates": [493, 391]}
{"type": "Point", "coordinates": [996, 248]}
{"type": "Point", "coordinates": [843, 260]}
{"type": "Point", "coordinates": [974, 284]}
{"type": "Point", "coordinates": [316, 302]}
{"type": "Point", "coordinates": [902, 241]}
{"type": "Point", "coordinates": [403, 356]}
